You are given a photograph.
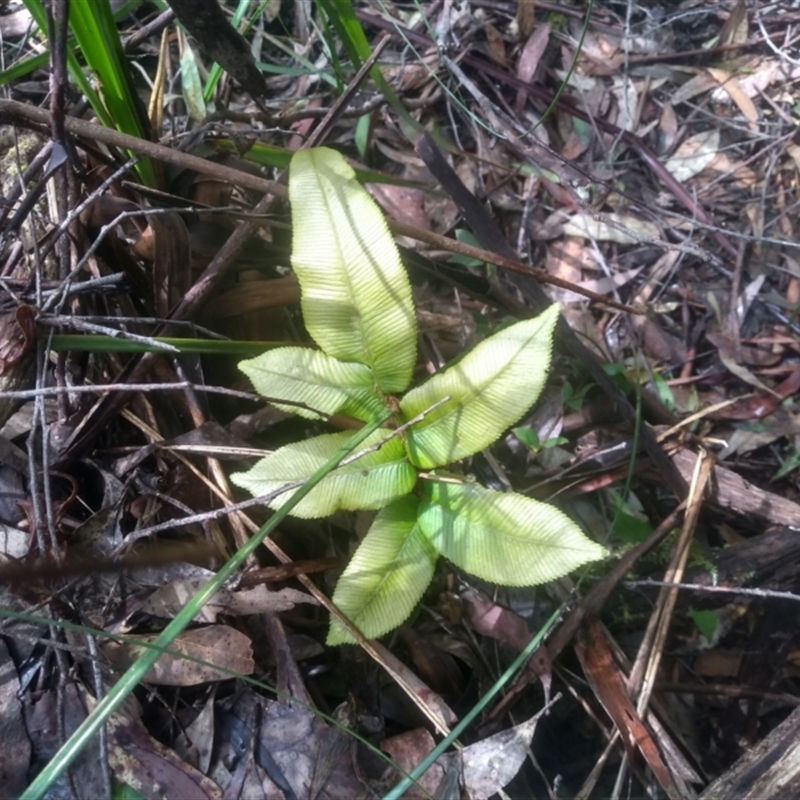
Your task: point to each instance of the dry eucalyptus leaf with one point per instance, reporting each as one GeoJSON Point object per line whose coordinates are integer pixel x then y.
{"type": "Point", "coordinates": [693, 155]}
{"type": "Point", "coordinates": [735, 29]}
{"type": "Point", "coordinates": [609, 229]}
{"type": "Point", "coordinates": [14, 543]}
{"type": "Point", "coordinates": [260, 600]}
{"type": "Point", "coordinates": [731, 85]}
{"type": "Point", "coordinates": [219, 645]}
{"type": "Point", "coordinates": [700, 83]}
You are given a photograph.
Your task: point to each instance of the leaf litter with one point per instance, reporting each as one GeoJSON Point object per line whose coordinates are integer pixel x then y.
{"type": "Point", "coordinates": [663, 178]}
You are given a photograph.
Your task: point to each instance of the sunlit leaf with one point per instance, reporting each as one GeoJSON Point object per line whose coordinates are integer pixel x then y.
{"type": "Point", "coordinates": [504, 538]}
{"type": "Point", "coordinates": [356, 298]}
{"type": "Point", "coordinates": [490, 389]}
{"type": "Point", "coordinates": [387, 575]}
{"type": "Point", "coordinates": [318, 381]}
{"type": "Point", "coordinates": [370, 482]}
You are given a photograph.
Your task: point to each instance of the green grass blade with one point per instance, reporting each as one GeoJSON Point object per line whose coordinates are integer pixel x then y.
{"type": "Point", "coordinates": [39, 15]}
{"type": "Point", "coordinates": [28, 64]}
{"type": "Point", "coordinates": [341, 15]}
{"type": "Point", "coordinates": [24, 67]}
{"type": "Point", "coordinates": [109, 344]}
{"type": "Point", "coordinates": [128, 682]}
{"type": "Point", "coordinates": [97, 36]}
{"type": "Point", "coordinates": [215, 73]}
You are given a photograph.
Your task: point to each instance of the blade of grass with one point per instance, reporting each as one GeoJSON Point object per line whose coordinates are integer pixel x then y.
{"type": "Point", "coordinates": [28, 64]}
{"type": "Point", "coordinates": [98, 38]}
{"type": "Point", "coordinates": [109, 344]}
{"type": "Point", "coordinates": [128, 682]}
{"type": "Point", "coordinates": [341, 16]}
{"type": "Point", "coordinates": [39, 15]}
{"type": "Point", "coordinates": [96, 34]}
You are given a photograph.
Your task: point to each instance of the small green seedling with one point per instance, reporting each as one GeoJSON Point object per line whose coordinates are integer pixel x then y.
{"type": "Point", "coordinates": [357, 305]}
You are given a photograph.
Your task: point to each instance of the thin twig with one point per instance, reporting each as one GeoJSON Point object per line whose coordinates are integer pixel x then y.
{"type": "Point", "coordinates": [769, 594]}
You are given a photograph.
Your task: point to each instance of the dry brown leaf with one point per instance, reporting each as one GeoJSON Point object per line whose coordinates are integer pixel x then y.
{"type": "Point", "coordinates": [16, 24]}
{"type": "Point", "coordinates": [295, 738]}
{"type": "Point", "coordinates": [407, 750]}
{"type": "Point", "coordinates": [170, 599]}
{"type": "Point", "coordinates": [14, 543]}
{"type": "Point", "coordinates": [667, 128]}
{"type": "Point", "coordinates": [624, 91]}
{"type": "Point", "coordinates": [744, 176]}
{"type": "Point", "coordinates": [497, 47]}
{"type": "Point", "coordinates": [402, 203]}
{"type": "Point", "coordinates": [153, 770]}
{"type": "Point", "coordinates": [195, 744]}
{"type": "Point", "coordinates": [699, 83]}
{"type": "Point", "coordinates": [526, 18]}
{"type": "Point", "coordinates": [254, 295]}
{"type": "Point", "coordinates": [165, 244]}
{"type": "Point", "coordinates": [717, 663]}
{"type": "Point", "coordinates": [224, 647]}
{"type": "Point", "coordinates": [487, 766]}
{"type": "Point", "coordinates": [17, 333]}
{"type": "Point", "coordinates": [16, 739]}
{"type": "Point", "coordinates": [609, 685]}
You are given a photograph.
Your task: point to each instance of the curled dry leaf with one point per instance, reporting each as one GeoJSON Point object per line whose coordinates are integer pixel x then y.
{"type": "Point", "coordinates": [529, 60]}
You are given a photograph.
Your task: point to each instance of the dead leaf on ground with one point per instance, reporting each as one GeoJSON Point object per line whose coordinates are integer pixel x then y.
{"type": "Point", "coordinates": [489, 765]}
{"type": "Point", "coordinates": [225, 649]}
{"type": "Point", "coordinates": [408, 750]}
{"type": "Point", "coordinates": [611, 228]}
{"type": "Point", "coordinates": [694, 154]}
{"type": "Point", "coordinates": [153, 770]}
{"type": "Point", "coordinates": [610, 688]}
{"type": "Point", "coordinates": [170, 599]}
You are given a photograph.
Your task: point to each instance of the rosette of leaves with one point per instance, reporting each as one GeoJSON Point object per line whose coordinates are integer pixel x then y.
{"type": "Point", "coordinates": [357, 306]}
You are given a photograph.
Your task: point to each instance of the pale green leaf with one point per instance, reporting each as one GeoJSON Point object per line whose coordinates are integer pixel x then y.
{"type": "Point", "coordinates": [386, 576]}
{"type": "Point", "coordinates": [490, 389]}
{"type": "Point", "coordinates": [356, 298]}
{"type": "Point", "coordinates": [502, 537]}
{"type": "Point", "coordinates": [318, 381]}
{"type": "Point", "coordinates": [370, 482]}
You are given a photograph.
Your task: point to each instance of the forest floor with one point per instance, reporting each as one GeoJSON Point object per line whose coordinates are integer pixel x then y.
{"type": "Point", "coordinates": [639, 165]}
